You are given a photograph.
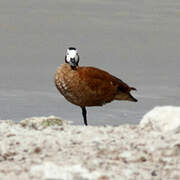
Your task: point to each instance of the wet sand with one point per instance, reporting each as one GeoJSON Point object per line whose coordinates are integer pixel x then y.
{"type": "Point", "coordinates": [137, 41]}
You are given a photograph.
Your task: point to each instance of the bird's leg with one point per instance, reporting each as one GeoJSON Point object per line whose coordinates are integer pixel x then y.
{"type": "Point", "coordinates": [84, 112]}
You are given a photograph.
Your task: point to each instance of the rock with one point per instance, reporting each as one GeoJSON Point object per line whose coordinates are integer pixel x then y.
{"type": "Point", "coordinates": [42, 122]}
{"type": "Point", "coordinates": [49, 170]}
{"type": "Point", "coordinates": [163, 119]}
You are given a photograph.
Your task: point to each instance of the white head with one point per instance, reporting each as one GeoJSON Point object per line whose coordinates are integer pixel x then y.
{"type": "Point", "coordinates": [72, 57]}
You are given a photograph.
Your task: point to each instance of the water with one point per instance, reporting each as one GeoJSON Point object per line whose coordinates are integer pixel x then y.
{"type": "Point", "coordinates": [138, 41]}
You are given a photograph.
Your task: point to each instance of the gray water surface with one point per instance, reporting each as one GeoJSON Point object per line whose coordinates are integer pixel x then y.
{"type": "Point", "coordinates": [138, 41]}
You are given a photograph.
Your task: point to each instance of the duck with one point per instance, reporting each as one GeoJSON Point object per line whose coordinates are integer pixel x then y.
{"type": "Point", "coordinates": [86, 86]}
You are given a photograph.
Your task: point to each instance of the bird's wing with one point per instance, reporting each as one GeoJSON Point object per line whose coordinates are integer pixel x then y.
{"type": "Point", "coordinates": [98, 79]}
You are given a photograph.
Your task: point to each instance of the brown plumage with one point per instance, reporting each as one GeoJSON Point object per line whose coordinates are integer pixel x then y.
{"type": "Point", "coordinates": [89, 86]}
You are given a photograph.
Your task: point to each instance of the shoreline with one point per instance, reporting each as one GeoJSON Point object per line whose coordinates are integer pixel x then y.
{"type": "Point", "coordinates": [50, 148]}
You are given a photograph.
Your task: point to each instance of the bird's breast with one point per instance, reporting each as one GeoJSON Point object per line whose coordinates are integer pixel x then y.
{"type": "Point", "coordinates": [69, 84]}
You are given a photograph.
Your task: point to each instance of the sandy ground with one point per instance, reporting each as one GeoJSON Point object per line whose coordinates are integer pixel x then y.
{"type": "Point", "coordinates": [48, 148]}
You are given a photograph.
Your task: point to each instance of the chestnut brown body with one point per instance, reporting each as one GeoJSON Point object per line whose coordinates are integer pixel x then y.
{"type": "Point", "coordinates": [89, 86]}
